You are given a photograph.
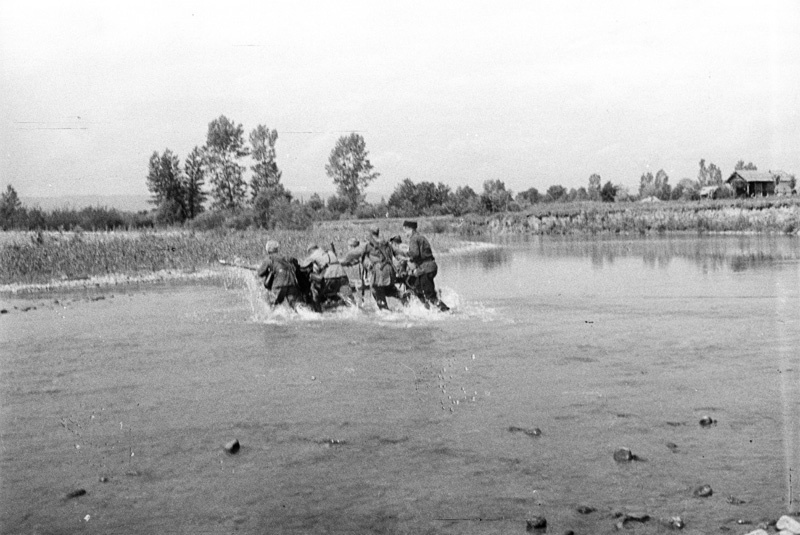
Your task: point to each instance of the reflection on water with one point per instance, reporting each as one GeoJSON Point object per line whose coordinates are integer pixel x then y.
{"type": "Point", "coordinates": [710, 253]}
{"type": "Point", "coordinates": [487, 259]}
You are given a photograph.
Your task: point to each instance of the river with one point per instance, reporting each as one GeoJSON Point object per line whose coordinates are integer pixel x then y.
{"type": "Point", "coordinates": [557, 353]}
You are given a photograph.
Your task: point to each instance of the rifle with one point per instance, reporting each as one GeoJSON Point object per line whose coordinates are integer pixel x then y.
{"type": "Point", "coordinates": [234, 264]}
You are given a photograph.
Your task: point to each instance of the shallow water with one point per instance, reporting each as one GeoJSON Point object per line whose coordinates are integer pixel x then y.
{"type": "Point", "coordinates": [408, 422]}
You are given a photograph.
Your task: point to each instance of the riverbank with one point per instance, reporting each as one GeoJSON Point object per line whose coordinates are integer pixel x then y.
{"type": "Point", "coordinates": [767, 215]}
{"type": "Point", "coordinates": [35, 262]}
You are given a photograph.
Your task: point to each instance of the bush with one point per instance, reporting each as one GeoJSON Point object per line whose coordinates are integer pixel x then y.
{"type": "Point", "coordinates": [291, 216]}
{"type": "Point", "coordinates": [208, 221]}
{"type": "Point", "coordinates": [439, 226]}
{"type": "Point", "coordinates": [240, 220]}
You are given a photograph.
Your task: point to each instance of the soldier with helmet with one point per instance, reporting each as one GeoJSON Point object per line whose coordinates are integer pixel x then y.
{"type": "Point", "coordinates": [381, 257]}
{"type": "Point", "coordinates": [279, 276]}
{"type": "Point", "coordinates": [422, 266]}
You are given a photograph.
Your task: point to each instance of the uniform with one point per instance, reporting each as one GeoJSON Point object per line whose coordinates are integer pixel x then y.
{"type": "Point", "coordinates": [279, 276]}
{"type": "Point", "coordinates": [354, 267]}
{"type": "Point", "coordinates": [425, 269]}
{"type": "Point", "coordinates": [380, 255]}
{"type": "Point", "coordinates": [329, 278]}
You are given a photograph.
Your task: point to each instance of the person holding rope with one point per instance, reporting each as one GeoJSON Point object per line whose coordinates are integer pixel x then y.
{"type": "Point", "coordinates": [278, 274]}
{"type": "Point", "coordinates": [422, 267]}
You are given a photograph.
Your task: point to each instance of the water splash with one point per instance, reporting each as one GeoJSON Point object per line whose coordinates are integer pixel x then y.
{"type": "Point", "coordinates": [256, 296]}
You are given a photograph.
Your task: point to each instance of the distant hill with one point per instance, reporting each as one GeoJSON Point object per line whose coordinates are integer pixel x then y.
{"type": "Point", "coordinates": [125, 203]}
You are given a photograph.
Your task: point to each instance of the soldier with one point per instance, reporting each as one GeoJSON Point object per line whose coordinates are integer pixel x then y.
{"type": "Point", "coordinates": [328, 279]}
{"type": "Point", "coordinates": [422, 266]}
{"type": "Point", "coordinates": [278, 274]}
{"type": "Point", "coordinates": [354, 267]}
{"type": "Point", "coordinates": [380, 255]}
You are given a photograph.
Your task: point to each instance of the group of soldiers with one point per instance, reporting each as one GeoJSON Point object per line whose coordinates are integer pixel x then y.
{"type": "Point", "coordinates": [388, 268]}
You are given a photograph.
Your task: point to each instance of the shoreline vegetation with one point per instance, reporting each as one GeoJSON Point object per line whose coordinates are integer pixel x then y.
{"type": "Point", "coordinates": [42, 261]}
{"type": "Point", "coordinates": [39, 261]}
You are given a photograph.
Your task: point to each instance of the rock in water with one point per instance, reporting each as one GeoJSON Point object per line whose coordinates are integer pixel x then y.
{"type": "Point", "coordinates": [232, 446]}
{"type": "Point", "coordinates": [536, 523]}
{"type": "Point", "coordinates": [535, 432]}
{"type": "Point", "coordinates": [707, 421]}
{"type": "Point", "coordinates": [674, 522]}
{"type": "Point", "coordinates": [788, 523]}
{"type": "Point", "coordinates": [703, 491]}
{"type": "Point", "coordinates": [624, 455]}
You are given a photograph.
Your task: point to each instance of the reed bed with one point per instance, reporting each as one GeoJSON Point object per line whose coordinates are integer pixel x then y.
{"type": "Point", "coordinates": [37, 257]}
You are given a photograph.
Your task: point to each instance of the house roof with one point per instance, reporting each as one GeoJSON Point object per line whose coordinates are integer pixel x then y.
{"type": "Point", "coordinates": [707, 190]}
{"type": "Point", "coordinates": [752, 176]}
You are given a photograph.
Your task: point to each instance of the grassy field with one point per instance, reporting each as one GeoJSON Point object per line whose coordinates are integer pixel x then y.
{"type": "Point", "coordinates": [35, 258]}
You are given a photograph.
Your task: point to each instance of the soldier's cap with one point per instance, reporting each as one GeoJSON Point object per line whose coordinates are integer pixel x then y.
{"type": "Point", "coordinates": [374, 230]}
{"type": "Point", "coordinates": [272, 246]}
{"type": "Point", "coordinates": [396, 239]}
{"type": "Point", "coordinates": [410, 224]}
{"type": "Point", "coordinates": [311, 247]}
{"type": "Point", "coordinates": [353, 242]}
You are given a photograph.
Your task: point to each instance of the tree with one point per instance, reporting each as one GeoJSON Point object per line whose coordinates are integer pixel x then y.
{"type": "Point", "coordinates": [403, 197]}
{"type": "Point", "coordinates": [10, 207]}
{"type": "Point", "coordinates": [338, 204]}
{"type": "Point", "coordinates": [646, 184]}
{"type": "Point", "coordinates": [416, 199]}
{"type": "Point", "coordinates": [555, 193]}
{"type": "Point", "coordinates": [594, 187]}
{"type": "Point", "coordinates": [709, 176]}
{"type": "Point", "coordinates": [266, 174]}
{"type": "Point", "coordinates": [662, 187]}
{"type": "Point", "coordinates": [463, 201]}
{"type": "Point", "coordinates": [529, 196]}
{"type": "Point", "coordinates": [350, 168]}
{"type": "Point", "coordinates": [165, 182]}
{"type": "Point", "coordinates": [608, 192]}
{"type": "Point", "coordinates": [571, 195]}
{"type": "Point", "coordinates": [741, 166]}
{"type": "Point", "coordinates": [193, 181]}
{"type": "Point", "coordinates": [223, 150]}
{"type": "Point", "coordinates": [315, 202]}
{"type": "Point", "coordinates": [655, 186]}
{"type": "Point", "coordinates": [495, 197]}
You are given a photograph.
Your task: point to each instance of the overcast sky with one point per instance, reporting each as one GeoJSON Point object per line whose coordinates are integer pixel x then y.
{"type": "Point", "coordinates": [531, 93]}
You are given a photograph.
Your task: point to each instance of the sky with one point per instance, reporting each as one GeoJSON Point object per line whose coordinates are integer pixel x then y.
{"type": "Point", "coordinates": [531, 93]}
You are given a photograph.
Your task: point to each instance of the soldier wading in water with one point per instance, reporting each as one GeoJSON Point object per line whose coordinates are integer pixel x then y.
{"type": "Point", "coordinates": [278, 274]}
{"type": "Point", "coordinates": [422, 267]}
{"type": "Point", "coordinates": [380, 256]}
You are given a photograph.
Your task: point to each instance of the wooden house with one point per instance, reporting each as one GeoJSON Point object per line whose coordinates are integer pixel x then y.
{"type": "Point", "coordinates": [752, 183]}
{"type": "Point", "coordinates": [708, 192]}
